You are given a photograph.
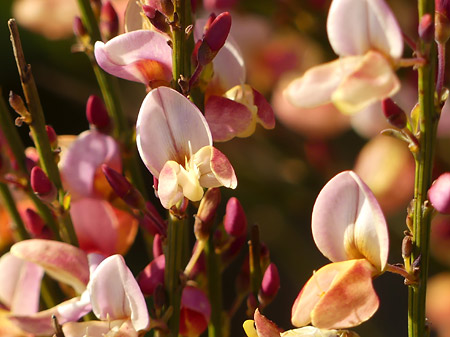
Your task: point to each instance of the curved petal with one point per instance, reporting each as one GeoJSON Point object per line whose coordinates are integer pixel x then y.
{"type": "Point", "coordinates": [169, 191]}
{"type": "Point", "coordinates": [339, 295]}
{"type": "Point", "coordinates": [92, 216]}
{"type": "Point", "coordinates": [169, 127]}
{"type": "Point", "coordinates": [264, 326]}
{"type": "Point", "coordinates": [61, 261]}
{"type": "Point", "coordinates": [355, 27]}
{"type": "Point", "coordinates": [81, 162]}
{"type": "Point", "coordinates": [347, 208]}
{"type": "Point", "coordinates": [20, 284]}
{"type": "Point", "coordinates": [226, 118]}
{"type": "Point", "coordinates": [265, 113]}
{"type": "Point", "coordinates": [41, 323]}
{"type": "Point", "coordinates": [373, 80]}
{"type": "Point", "coordinates": [317, 85]}
{"type": "Point", "coordinates": [140, 56]}
{"type": "Point", "coordinates": [115, 293]}
{"type": "Point", "coordinates": [215, 169]}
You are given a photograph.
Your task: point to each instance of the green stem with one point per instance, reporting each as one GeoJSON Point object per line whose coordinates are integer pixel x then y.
{"type": "Point", "coordinates": [174, 268]}
{"type": "Point", "coordinates": [423, 178]}
{"type": "Point", "coordinates": [37, 127]}
{"type": "Point", "coordinates": [10, 205]}
{"type": "Point", "coordinates": [215, 327]}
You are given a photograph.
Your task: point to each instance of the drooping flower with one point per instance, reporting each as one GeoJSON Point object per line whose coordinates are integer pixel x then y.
{"type": "Point", "coordinates": [341, 294]}
{"type": "Point", "coordinates": [175, 143]}
{"type": "Point", "coordinates": [368, 39]}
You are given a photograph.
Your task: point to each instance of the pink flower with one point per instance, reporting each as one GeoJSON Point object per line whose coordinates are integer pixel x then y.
{"type": "Point", "coordinates": [349, 228]}
{"type": "Point", "coordinates": [174, 141]}
{"type": "Point", "coordinates": [367, 37]}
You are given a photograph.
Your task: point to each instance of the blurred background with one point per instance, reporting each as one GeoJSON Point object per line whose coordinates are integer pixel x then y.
{"type": "Point", "coordinates": [280, 172]}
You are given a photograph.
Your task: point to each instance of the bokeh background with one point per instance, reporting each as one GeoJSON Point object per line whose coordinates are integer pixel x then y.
{"type": "Point", "coordinates": [280, 172]}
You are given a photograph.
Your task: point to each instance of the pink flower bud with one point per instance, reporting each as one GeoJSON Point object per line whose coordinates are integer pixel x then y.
{"type": "Point", "coordinates": [270, 284]}
{"type": "Point", "coordinates": [206, 213]}
{"type": "Point", "coordinates": [217, 33]}
{"type": "Point", "coordinates": [426, 28]}
{"type": "Point", "coordinates": [78, 28]}
{"type": "Point", "coordinates": [394, 114]}
{"type": "Point", "coordinates": [123, 188]}
{"type": "Point", "coordinates": [109, 21]}
{"type": "Point", "coordinates": [439, 193]}
{"type": "Point", "coordinates": [235, 222]}
{"type": "Point", "coordinates": [35, 225]}
{"type": "Point", "coordinates": [152, 275]}
{"type": "Point", "coordinates": [195, 312]}
{"type": "Point", "coordinates": [52, 137]}
{"type": "Point", "coordinates": [41, 185]}
{"type": "Point", "coordinates": [96, 113]}
{"type": "Point", "coordinates": [157, 246]}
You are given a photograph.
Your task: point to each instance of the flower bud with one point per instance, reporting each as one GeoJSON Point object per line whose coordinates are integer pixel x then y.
{"type": "Point", "coordinates": [96, 113]}
{"type": "Point", "coordinates": [407, 246]}
{"type": "Point", "coordinates": [235, 222]}
{"type": "Point", "coordinates": [269, 285]}
{"type": "Point", "coordinates": [109, 21]}
{"type": "Point", "coordinates": [195, 312]}
{"type": "Point", "coordinates": [16, 102]}
{"type": "Point", "coordinates": [439, 193]}
{"type": "Point", "coordinates": [152, 275]}
{"type": "Point", "coordinates": [123, 188]}
{"type": "Point", "coordinates": [426, 28]}
{"type": "Point", "coordinates": [35, 225]}
{"type": "Point", "coordinates": [394, 114]}
{"type": "Point", "coordinates": [442, 23]}
{"type": "Point", "coordinates": [52, 137]}
{"type": "Point", "coordinates": [41, 185]}
{"type": "Point", "coordinates": [157, 246]}
{"type": "Point", "coordinates": [159, 21]}
{"type": "Point", "coordinates": [233, 249]}
{"type": "Point", "coordinates": [206, 213]}
{"type": "Point", "coordinates": [214, 39]}
{"type": "Point", "coordinates": [214, 5]}
{"type": "Point", "coordinates": [152, 221]}
{"type": "Point", "coordinates": [78, 28]}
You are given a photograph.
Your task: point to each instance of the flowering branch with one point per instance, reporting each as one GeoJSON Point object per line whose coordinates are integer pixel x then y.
{"type": "Point", "coordinates": [427, 124]}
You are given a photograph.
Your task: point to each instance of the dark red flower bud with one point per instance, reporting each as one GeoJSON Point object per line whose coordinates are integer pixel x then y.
{"type": "Point", "coordinates": [109, 21]}
{"type": "Point", "coordinates": [78, 28]}
{"type": "Point", "coordinates": [206, 213]}
{"type": "Point", "coordinates": [217, 33]}
{"type": "Point", "coordinates": [269, 285]}
{"type": "Point", "coordinates": [235, 222]}
{"type": "Point", "coordinates": [157, 246]}
{"type": "Point", "coordinates": [35, 225]}
{"type": "Point", "coordinates": [394, 114]}
{"type": "Point", "coordinates": [52, 137]}
{"type": "Point", "coordinates": [123, 188]}
{"type": "Point", "coordinates": [426, 28]}
{"type": "Point", "coordinates": [152, 275]}
{"type": "Point", "coordinates": [96, 113]}
{"type": "Point", "coordinates": [41, 185]}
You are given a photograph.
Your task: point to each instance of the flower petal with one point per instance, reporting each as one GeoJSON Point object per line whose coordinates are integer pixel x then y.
{"type": "Point", "coordinates": [317, 85]}
{"type": "Point", "coordinates": [266, 116]}
{"type": "Point", "coordinates": [20, 284]}
{"type": "Point", "coordinates": [215, 169]}
{"type": "Point", "coordinates": [372, 80]}
{"type": "Point", "coordinates": [264, 326]}
{"type": "Point", "coordinates": [81, 162]}
{"type": "Point", "coordinates": [140, 56]}
{"type": "Point", "coordinates": [355, 27]}
{"type": "Point", "coordinates": [338, 295]}
{"type": "Point", "coordinates": [169, 127]}
{"type": "Point", "coordinates": [347, 208]}
{"type": "Point", "coordinates": [115, 293]}
{"type": "Point", "coordinates": [41, 323]}
{"type": "Point", "coordinates": [61, 261]}
{"type": "Point", "coordinates": [169, 191]}
{"type": "Point", "coordinates": [226, 118]}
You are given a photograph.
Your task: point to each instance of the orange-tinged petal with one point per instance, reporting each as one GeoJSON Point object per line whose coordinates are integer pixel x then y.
{"type": "Point", "coordinates": [372, 80]}
{"type": "Point", "coordinates": [347, 208]}
{"type": "Point", "coordinates": [339, 295]}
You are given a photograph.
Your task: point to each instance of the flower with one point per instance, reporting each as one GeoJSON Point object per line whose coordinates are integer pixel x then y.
{"type": "Point", "coordinates": [175, 143]}
{"type": "Point", "coordinates": [341, 294]}
{"type": "Point", "coordinates": [368, 39]}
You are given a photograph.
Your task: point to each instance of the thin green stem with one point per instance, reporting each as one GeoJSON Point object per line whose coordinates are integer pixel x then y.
{"type": "Point", "coordinates": [174, 268]}
{"type": "Point", "coordinates": [423, 177]}
{"type": "Point", "coordinates": [10, 205]}
{"type": "Point", "coordinates": [215, 327]}
{"type": "Point", "coordinates": [37, 128]}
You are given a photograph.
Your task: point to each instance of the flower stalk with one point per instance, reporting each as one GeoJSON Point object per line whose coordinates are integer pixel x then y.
{"type": "Point", "coordinates": [427, 125]}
